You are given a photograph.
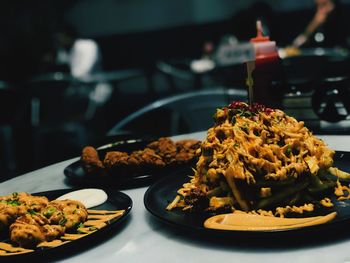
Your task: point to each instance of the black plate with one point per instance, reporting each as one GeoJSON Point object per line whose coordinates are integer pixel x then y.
{"type": "Point", "coordinates": [116, 201]}
{"type": "Point", "coordinates": [160, 194]}
{"type": "Point", "coordinates": [122, 178]}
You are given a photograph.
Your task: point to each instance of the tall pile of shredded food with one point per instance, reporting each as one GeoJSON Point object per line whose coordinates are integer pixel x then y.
{"type": "Point", "coordinates": [260, 160]}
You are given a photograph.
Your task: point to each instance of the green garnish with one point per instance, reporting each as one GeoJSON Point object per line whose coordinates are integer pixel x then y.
{"type": "Point", "coordinates": [233, 121]}
{"type": "Point", "coordinates": [92, 228]}
{"type": "Point", "coordinates": [13, 202]}
{"type": "Point", "coordinates": [288, 150]}
{"type": "Point", "coordinates": [63, 221]}
{"type": "Point", "coordinates": [79, 225]}
{"type": "Point", "coordinates": [49, 211]}
{"type": "Point", "coordinates": [245, 128]}
{"type": "Point", "coordinates": [243, 113]}
{"type": "Point", "coordinates": [31, 212]}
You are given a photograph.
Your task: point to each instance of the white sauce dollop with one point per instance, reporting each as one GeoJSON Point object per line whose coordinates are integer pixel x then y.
{"type": "Point", "coordinates": [89, 197]}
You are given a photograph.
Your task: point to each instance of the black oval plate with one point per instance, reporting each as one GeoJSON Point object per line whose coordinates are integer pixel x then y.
{"type": "Point", "coordinates": [123, 178]}
{"type": "Point", "coordinates": [116, 201]}
{"type": "Point", "coordinates": [160, 194]}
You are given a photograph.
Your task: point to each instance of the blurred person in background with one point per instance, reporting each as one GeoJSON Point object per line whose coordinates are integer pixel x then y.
{"type": "Point", "coordinates": [82, 58]}
{"type": "Point", "coordinates": [327, 28]}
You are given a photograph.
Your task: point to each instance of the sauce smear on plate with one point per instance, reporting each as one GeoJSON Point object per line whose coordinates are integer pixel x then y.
{"type": "Point", "coordinates": [241, 221]}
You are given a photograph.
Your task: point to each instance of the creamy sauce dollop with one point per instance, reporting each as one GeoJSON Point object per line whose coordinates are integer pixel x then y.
{"type": "Point", "coordinates": [251, 222]}
{"type": "Point", "coordinates": [90, 197]}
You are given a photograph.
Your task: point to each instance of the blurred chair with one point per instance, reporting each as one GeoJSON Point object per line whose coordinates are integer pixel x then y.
{"type": "Point", "coordinates": [302, 73]}
{"type": "Point", "coordinates": [64, 110]}
{"type": "Point", "coordinates": [230, 76]}
{"type": "Point", "coordinates": [12, 108]}
{"type": "Point", "coordinates": [182, 71]}
{"type": "Point", "coordinates": [57, 117]}
{"type": "Point", "coordinates": [336, 67]}
{"type": "Point", "coordinates": [331, 101]}
{"type": "Point", "coordinates": [323, 104]}
{"type": "Point", "coordinates": [178, 74]}
{"type": "Point", "coordinates": [182, 113]}
{"type": "Point", "coordinates": [106, 84]}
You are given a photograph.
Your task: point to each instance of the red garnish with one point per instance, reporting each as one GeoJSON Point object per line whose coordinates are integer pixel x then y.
{"type": "Point", "coordinates": [254, 109]}
{"type": "Point", "coordinates": [211, 139]}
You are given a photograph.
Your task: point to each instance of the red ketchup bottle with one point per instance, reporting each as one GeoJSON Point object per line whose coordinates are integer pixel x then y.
{"type": "Point", "coordinates": [266, 72]}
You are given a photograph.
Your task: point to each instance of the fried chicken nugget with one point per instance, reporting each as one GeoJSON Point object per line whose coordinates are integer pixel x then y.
{"type": "Point", "coordinates": [187, 150]}
{"type": "Point", "coordinates": [67, 213]}
{"type": "Point", "coordinates": [146, 157]}
{"type": "Point", "coordinates": [31, 229]}
{"type": "Point", "coordinates": [90, 160]}
{"type": "Point", "coordinates": [17, 204]}
{"type": "Point", "coordinates": [115, 158]}
{"type": "Point", "coordinates": [165, 148]}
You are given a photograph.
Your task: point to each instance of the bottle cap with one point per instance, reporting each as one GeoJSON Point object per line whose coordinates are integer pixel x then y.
{"type": "Point", "coordinates": [259, 34]}
{"type": "Point", "coordinates": [262, 44]}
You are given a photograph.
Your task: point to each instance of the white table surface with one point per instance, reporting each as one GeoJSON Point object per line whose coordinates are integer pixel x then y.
{"type": "Point", "coordinates": [144, 239]}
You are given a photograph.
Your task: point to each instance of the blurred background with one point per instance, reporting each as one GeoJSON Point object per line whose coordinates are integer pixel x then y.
{"type": "Point", "coordinates": [70, 71]}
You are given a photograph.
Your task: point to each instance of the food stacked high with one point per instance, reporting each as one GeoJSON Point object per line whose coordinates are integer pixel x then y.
{"type": "Point", "coordinates": [259, 159]}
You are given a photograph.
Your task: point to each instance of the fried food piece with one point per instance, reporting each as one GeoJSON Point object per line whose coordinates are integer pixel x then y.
{"type": "Point", "coordinates": [33, 219]}
{"type": "Point", "coordinates": [146, 157]}
{"type": "Point", "coordinates": [165, 148]}
{"type": "Point", "coordinates": [115, 158]}
{"type": "Point", "coordinates": [188, 144]}
{"type": "Point", "coordinates": [35, 203]}
{"type": "Point", "coordinates": [90, 159]}
{"type": "Point", "coordinates": [187, 150]}
{"type": "Point", "coordinates": [67, 213]}
{"type": "Point", "coordinates": [31, 229]}
{"type": "Point", "coordinates": [17, 204]}
{"type": "Point", "coordinates": [158, 153]}
{"type": "Point", "coordinates": [9, 213]}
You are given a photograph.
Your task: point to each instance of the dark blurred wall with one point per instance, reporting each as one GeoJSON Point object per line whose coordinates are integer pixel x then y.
{"type": "Point", "coordinates": [137, 32]}
{"type": "Point", "coordinates": [26, 29]}
{"type": "Point", "coordinates": [94, 18]}
{"type": "Point", "coordinates": [134, 32]}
